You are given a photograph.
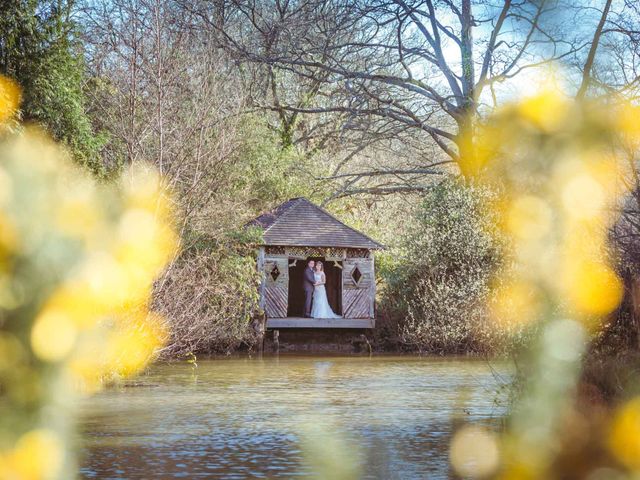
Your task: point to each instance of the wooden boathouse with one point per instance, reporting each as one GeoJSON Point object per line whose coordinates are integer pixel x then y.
{"type": "Point", "coordinates": [299, 230]}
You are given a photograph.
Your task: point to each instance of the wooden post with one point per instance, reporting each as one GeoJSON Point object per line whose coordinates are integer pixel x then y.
{"type": "Point", "coordinates": [259, 326]}
{"type": "Point", "coordinates": [260, 266]}
{"type": "Point", "coordinates": [372, 308]}
{"type": "Point", "coordinates": [366, 340]}
{"type": "Point", "coordinates": [276, 340]}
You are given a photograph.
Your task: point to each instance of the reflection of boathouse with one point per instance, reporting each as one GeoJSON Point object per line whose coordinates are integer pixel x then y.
{"type": "Point", "coordinates": [296, 231]}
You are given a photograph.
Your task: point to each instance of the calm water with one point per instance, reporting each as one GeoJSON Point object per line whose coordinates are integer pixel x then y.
{"type": "Point", "coordinates": [247, 418]}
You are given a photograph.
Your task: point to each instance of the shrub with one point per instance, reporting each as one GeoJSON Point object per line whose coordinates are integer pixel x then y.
{"type": "Point", "coordinates": [209, 296]}
{"type": "Point", "coordinates": [440, 281]}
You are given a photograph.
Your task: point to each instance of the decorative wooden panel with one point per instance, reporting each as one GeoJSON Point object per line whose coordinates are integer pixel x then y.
{"type": "Point", "coordinates": [358, 253]}
{"type": "Point", "coordinates": [364, 267]}
{"type": "Point", "coordinates": [358, 288]}
{"type": "Point", "coordinates": [337, 254]}
{"type": "Point", "coordinates": [264, 280]}
{"type": "Point", "coordinates": [276, 292]}
{"type": "Point", "coordinates": [356, 303]}
{"type": "Point", "coordinates": [302, 253]}
{"type": "Point", "coordinates": [276, 298]}
{"type": "Point", "coordinates": [329, 253]}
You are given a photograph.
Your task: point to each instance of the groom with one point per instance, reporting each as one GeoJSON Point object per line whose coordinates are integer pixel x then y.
{"type": "Point", "coordinates": [308, 283]}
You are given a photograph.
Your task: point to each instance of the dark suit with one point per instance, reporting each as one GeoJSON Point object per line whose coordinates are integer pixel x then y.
{"type": "Point", "coordinates": [307, 283]}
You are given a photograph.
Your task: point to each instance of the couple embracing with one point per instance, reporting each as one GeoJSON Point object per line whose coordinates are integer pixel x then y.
{"type": "Point", "coordinates": [315, 292]}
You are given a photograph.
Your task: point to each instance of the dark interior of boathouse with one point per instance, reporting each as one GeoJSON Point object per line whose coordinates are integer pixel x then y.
{"type": "Point", "coordinates": [333, 272]}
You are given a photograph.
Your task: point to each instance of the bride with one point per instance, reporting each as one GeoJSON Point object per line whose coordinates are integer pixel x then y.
{"type": "Point", "coordinates": [321, 307]}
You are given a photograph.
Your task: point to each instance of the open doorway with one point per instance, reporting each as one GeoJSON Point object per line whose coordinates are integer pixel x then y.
{"type": "Point", "coordinates": [296, 292]}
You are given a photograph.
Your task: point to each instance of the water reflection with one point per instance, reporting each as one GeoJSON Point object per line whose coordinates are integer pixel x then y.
{"type": "Point", "coordinates": [242, 418]}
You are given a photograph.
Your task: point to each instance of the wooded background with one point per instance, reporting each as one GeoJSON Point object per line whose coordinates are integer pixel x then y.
{"type": "Point", "coordinates": [364, 107]}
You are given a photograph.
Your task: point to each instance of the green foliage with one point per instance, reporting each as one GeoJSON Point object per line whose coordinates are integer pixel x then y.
{"type": "Point", "coordinates": [246, 237]}
{"type": "Point", "coordinates": [267, 172]}
{"type": "Point", "coordinates": [439, 281]}
{"type": "Point", "coordinates": [39, 47]}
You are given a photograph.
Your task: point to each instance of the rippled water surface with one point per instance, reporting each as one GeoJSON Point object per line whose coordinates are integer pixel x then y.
{"type": "Point", "coordinates": [247, 418]}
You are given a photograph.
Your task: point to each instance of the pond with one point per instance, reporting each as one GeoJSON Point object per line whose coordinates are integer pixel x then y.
{"type": "Point", "coordinates": [282, 416]}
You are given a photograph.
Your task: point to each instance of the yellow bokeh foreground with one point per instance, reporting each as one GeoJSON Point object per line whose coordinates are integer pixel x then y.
{"type": "Point", "coordinates": [77, 264]}
{"type": "Point", "coordinates": [624, 438]}
{"type": "Point", "coordinates": [558, 166]}
{"type": "Point", "coordinates": [10, 96]}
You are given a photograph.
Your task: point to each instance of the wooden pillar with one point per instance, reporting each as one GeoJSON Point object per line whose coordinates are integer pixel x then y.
{"type": "Point", "coordinates": [373, 287]}
{"type": "Point", "coordinates": [260, 327]}
{"type": "Point", "coordinates": [260, 265]}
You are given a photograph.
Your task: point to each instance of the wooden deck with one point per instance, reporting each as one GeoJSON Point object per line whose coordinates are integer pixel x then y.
{"type": "Point", "coordinates": [299, 322]}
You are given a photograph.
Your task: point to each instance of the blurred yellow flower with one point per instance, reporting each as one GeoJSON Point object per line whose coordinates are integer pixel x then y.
{"type": "Point", "coordinates": [144, 242]}
{"type": "Point", "coordinates": [592, 287]}
{"type": "Point", "coordinates": [558, 168]}
{"type": "Point", "coordinates": [88, 368]}
{"type": "Point", "coordinates": [77, 214]}
{"type": "Point", "coordinates": [477, 151]}
{"type": "Point", "coordinates": [516, 303]}
{"type": "Point", "coordinates": [474, 452]}
{"type": "Point", "coordinates": [10, 97]}
{"type": "Point", "coordinates": [133, 344]}
{"type": "Point", "coordinates": [627, 120]}
{"type": "Point", "coordinates": [53, 336]}
{"type": "Point", "coordinates": [80, 304]}
{"type": "Point", "coordinates": [81, 258]}
{"type": "Point", "coordinates": [8, 238]}
{"type": "Point", "coordinates": [38, 455]}
{"type": "Point", "coordinates": [624, 438]}
{"type": "Point", "coordinates": [11, 351]}
{"type": "Point", "coordinates": [519, 471]}
{"type": "Point", "coordinates": [547, 111]}
{"type": "Point", "coordinates": [529, 217]}
{"type": "Point", "coordinates": [144, 189]}
{"type": "Point", "coordinates": [6, 187]}
{"type": "Point", "coordinates": [583, 197]}
{"type": "Point", "coordinates": [328, 453]}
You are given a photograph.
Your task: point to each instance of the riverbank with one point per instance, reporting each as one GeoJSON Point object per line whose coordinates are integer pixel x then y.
{"type": "Point", "coordinates": [332, 341]}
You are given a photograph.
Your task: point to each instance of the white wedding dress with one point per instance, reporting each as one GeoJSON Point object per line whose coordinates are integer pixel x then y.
{"type": "Point", "coordinates": [320, 307]}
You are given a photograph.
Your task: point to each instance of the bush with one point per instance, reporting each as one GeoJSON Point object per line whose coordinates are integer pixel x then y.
{"type": "Point", "coordinates": [209, 296]}
{"type": "Point", "coordinates": [440, 279]}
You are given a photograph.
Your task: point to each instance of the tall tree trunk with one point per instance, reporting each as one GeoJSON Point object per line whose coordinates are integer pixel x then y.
{"type": "Point", "coordinates": [466, 50]}
{"type": "Point", "coordinates": [466, 120]}
{"type": "Point", "coordinates": [586, 73]}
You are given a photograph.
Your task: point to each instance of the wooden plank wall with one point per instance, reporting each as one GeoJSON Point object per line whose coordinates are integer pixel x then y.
{"type": "Point", "coordinates": [276, 292]}
{"type": "Point", "coordinates": [358, 298]}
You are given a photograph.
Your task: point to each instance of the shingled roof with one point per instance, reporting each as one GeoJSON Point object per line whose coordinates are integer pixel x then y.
{"type": "Point", "coordinates": [298, 222]}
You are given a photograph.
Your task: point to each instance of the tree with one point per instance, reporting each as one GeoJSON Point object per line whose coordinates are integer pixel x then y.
{"type": "Point", "coordinates": [586, 74]}
{"type": "Point", "coordinates": [40, 48]}
{"type": "Point", "coordinates": [169, 97]}
{"type": "Point", "coordinates": [423, 69]}
{"type": "Point", "coordinates": [329, 141]}
{"type": "Point", "coordinates": [616, 69]}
